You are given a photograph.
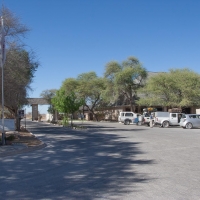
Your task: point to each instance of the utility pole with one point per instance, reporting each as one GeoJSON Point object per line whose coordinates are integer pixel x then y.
{"type": "Point", "coordinates": [2, 56]}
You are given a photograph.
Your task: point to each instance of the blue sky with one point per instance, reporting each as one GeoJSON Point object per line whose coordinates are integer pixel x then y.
{"type": "Point", "coordinates": [71, 37]}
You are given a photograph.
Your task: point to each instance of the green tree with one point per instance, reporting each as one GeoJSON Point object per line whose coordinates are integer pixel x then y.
{"type": "Point", "coordinates": [87, 86]}
{"type": "Point", "coordinates": [20, 65]}
{"type": "Point", "coordinates": [124, 80]}
{"type": "Point", "coordinates": [70, 85]}
{"type": "Point", "coordinates": [19, 70]}
{"type": "Point", "coordinates": [66, 103]}
{"type": "Point", "coordinates": [176, 88]}
{"type": "Point", "coordinates": [48, 95]}
{"type": "Point", "coordinates": [91, 88]}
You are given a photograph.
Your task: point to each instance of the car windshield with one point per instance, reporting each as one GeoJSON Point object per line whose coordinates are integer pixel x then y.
{"type": "Point", "coordinates": [183, 116]}
{"type": "Point", "coordinates": [146, 115]}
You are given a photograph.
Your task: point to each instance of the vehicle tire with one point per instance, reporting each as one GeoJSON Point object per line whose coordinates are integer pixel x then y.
{"type": "Point", "coordinates": [165, 124]}
{"type": "Point", "coordinates": [183, 127]}
{"type": "Point", "coordinates": [126, 122]}
{"type": "Point", "coordinates": [189, 125]}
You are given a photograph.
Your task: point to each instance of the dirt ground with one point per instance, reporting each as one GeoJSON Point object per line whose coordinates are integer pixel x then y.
{"type": "Point", "coordinates": [24, 137]}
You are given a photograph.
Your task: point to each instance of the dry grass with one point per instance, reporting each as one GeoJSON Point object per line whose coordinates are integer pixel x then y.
{"type": "Point", "coordinates": [25, 137]}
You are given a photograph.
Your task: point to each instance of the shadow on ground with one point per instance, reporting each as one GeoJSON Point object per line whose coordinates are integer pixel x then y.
{"type": "Point", "coordinates": [76, 164]}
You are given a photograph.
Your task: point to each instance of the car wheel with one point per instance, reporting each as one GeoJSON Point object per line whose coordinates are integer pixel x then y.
{"type": "Point", "coordinates": [165, 124]}
{"type": "Point", "coordinates": [183, 127]}
{"type": "Point", "coordinates": [188, 125]}
{"type": "Point", "coordinates": [126, 122]}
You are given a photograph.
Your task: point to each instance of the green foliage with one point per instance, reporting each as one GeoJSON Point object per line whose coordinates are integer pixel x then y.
{"type": "Point", "coordinates": [70, 85]}
{"type": "Point", "coordinates": [87, 87]}
{"type": "Point", "coordinates": [91, 88]}
{"type": "Point", "coordinates": [20, 64]}
{"type": "Point", "coordinates": [10, 137]}
{"type": "Point", "coordinates": [123, 80]}
{"type": "Point", "coordinates": [19, 70]}
{"type": "Point", "coordinates": [66, 103]}
{"type": "Point", "coordinates": [65, 121]}
{"type": "Point", "coordinates": [48, 95]}
{"type": "Point", "coordinates": [177, 88]}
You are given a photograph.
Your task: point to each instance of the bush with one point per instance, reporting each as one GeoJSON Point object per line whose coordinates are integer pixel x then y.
{"type": "Point", "coordinates": [65, 121]}
{"type": "Point", "coordinates": [10, 138]}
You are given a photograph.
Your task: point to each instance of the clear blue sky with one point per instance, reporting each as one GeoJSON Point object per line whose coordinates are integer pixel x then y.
{"type": "Point", "coordinates": [71, 37]}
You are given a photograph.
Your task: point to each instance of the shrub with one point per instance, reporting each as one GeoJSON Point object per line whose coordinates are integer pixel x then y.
{"type": "Point", "coordinates": [10, 137]}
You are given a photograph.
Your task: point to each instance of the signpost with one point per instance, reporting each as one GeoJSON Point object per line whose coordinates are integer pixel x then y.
{"type": "Point", "coordinates": [21, 113]}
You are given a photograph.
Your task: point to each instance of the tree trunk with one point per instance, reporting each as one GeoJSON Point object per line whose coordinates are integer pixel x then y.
{"type": "Point", "coordinates": [132, 106]}
{"type": "Point", "coordinates": [17, 123]}
{"type": "Point", "coordinates": [71, 119]}
{"type": "Point", "coordinates": [95, 116]}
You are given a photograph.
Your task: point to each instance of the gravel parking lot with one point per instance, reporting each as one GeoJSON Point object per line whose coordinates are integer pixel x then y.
{"type": "Point", "coordinates": [105, 161]}
{"type": "Point", "coordinates": [168, 160]}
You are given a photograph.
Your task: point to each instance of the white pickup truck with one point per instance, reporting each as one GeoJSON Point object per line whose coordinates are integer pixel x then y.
{"type": "Point", "coordinates": [166, 119]}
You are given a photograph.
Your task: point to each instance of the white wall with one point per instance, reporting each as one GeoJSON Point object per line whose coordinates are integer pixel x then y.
{"type": "Point", "coordinates": [9, 125]}
{"type": "Point", "coordinates": [197, 111]}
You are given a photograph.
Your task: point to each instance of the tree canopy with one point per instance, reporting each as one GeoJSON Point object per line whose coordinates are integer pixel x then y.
{"type": "Point", "coordinates": [66, 103]}
{"type": "Point", "coordinates": [48, 95]}
{"type": "Point", "coordinates": [15, 30]}
{"type": "Point", "coordinates": [123, 80]}
{"type": "Point", "coordinates": [176, 88]}
{"type": "Point", "coordinates": [20, 64]}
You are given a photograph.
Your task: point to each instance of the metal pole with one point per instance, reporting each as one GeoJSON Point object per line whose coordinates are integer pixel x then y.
{"type": "Point", "coordinates": [2, 63]}
{"type": "Point", "coordinates": [25, 118]}
{"type": "Point", "coordinates": [3, 133]}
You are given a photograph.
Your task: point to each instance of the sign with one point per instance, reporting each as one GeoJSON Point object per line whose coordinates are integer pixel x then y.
{"type": "Point", "coordinates": [21, 113]}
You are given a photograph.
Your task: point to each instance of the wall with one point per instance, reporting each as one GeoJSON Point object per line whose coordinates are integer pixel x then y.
{"type": "Point", "coordinates": [9, 125]}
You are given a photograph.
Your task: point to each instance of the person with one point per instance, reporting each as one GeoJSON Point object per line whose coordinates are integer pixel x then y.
{"type": "Point", "coordinates": [151, 121]}
{"type": "Point", "coordinates": [179, 117]}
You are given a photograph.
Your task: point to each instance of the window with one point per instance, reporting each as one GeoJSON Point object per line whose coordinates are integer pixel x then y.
{"type": "Point", "coordinates": [129, 114]}
{"type": "Point", "coordinates": [193, 116]}
{"type": "Point", "coordinates": [174, 115]}
{"type": "Point", "coordinates": [183, 116]}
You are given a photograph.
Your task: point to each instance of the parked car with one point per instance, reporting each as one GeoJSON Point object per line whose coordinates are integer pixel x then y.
{"type": "Point", "coordinates": [127, 117]}
{"type": "Point", "coordinates": [147, 112]}
{"type": "Point", "coordinates": [190, 120]}
{"type": "Point", "coordinates": [146, 118]}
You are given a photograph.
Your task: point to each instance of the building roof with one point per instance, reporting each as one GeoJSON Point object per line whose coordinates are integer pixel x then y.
{"type": "Point", "coordinates": [39, 101]}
